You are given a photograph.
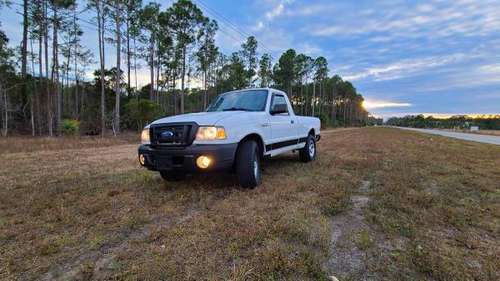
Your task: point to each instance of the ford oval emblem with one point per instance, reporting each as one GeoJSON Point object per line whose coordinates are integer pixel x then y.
{"type": "Point", "coordinates": [167, 134]}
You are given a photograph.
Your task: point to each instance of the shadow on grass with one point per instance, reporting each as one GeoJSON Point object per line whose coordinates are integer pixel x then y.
{"type": "Point", "coordinates": [226, 180]}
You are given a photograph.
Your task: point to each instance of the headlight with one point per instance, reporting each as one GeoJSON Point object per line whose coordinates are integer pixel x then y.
{"type": "Point", "coordinates": [145, 136]}
{"type": "Point", "coordinates": [210, 133]}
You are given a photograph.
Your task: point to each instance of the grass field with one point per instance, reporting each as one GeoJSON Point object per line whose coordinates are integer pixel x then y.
{"type": "Point", "coordinates": [378, 204]}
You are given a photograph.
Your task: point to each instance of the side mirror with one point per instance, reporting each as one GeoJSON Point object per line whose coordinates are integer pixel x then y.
{"type": "Point", "coordinates": [279, 108]}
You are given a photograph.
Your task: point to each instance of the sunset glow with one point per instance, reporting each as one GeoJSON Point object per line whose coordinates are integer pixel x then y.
{"type": "Point", "coordinates": [383, 104]}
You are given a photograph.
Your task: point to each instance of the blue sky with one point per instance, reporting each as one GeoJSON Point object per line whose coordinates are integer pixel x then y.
{"type": "Point", "coordinates": [435, 56]}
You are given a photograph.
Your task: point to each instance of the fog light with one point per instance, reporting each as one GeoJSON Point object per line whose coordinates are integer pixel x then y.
{"type": "Point", "coordinates": [203, 162]}
{"type": "Point", "coordinates": [142, 159]}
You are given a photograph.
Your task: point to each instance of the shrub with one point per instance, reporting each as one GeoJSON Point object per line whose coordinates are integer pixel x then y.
{"type": "Point", "coordinates": [70, 127]}
{"type": "Point", "coordinates": [325, 120]}
{"type": "Point", "coordinates": [140, 112]}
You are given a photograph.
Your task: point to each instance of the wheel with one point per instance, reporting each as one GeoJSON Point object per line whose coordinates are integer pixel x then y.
{"type": "Point", "coordinates": [308, 152]}
{"type": "Point", "coordinates": [248, 164]}
{"type": "Point", "coordinates": [172, 176]}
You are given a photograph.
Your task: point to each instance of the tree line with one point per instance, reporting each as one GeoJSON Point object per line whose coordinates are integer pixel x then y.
{"type": "Point", "coordinates": [484, 122]}
{"type": "Point", "coordinates": [43, 89]}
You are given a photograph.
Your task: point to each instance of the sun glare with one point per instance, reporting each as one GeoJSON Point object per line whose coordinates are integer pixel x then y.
{"type": "Point", "coordinates": [383, 104]}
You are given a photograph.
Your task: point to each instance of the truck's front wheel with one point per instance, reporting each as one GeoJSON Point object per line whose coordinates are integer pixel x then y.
{"type": "Point", "coordinates": [248, 164]}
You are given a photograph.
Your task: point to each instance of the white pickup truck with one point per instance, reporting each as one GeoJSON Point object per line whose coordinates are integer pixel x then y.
{"type": "Point", "coordinates": [237, 131]}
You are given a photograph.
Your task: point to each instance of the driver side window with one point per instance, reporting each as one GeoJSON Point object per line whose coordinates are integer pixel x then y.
{"type": "Point", "coordinates": [279, 100]}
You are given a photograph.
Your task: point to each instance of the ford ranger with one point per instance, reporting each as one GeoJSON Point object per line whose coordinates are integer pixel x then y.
{"type": "Point", "coordinates": [237, 131]}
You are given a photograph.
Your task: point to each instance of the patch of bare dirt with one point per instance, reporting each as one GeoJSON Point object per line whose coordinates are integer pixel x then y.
{"type": "Point", "coordinates": [348, 228]}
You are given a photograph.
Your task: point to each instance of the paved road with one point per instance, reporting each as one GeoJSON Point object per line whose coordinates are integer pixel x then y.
{"type": "Point", "coordinates": [462, 136]}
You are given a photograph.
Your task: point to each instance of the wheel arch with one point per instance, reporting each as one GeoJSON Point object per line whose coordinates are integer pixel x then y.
{"type": "Point", "coordinates": [252, 136]}
{"type": "Point", "coordinates": [255, 137]}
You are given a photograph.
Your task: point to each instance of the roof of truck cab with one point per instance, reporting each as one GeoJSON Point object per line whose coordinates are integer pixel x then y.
{"type": "Point", "coordinates": [256, 89]}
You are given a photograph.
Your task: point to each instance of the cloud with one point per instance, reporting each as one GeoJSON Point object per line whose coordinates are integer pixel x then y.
{"type": "Point", "coordinates": [274, 12]}
{"type": "Point", "coordinates": [310, 49]}
{"type": "Point", "coordinates": [258, 26]}
{"type": "Point", "coordinates": [312, 9]}
{"type": "Point", "coordinates": [278, 10]}
{"type": "Point", "coordinates": [432, 20]}
{"type": "Point", "coordinates": [469, 77]}
{"type": "Point", "coordinates": [405, 67]}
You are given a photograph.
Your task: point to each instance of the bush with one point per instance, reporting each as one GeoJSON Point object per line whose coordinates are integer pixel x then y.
{"type": "Point", "coordinates": [325, 120]}
{"type": "Point", "coordinates": [140, 112]}
{"type": "Point", "coordinates": [70, 127]}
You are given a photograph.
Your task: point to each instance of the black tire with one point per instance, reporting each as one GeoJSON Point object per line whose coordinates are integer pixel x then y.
{"type": "Point", "coordinates": [308, 152]}
{"type": "Point", "coordinates": [172, 175]}
{"type": "Point", "coordinates": [248, 164]}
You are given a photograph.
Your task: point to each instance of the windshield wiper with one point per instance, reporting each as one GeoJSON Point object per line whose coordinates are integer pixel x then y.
{"type": "Point", "coordinates": [236, 109]}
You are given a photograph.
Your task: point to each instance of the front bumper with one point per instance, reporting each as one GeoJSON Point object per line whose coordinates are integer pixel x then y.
{"type": "Point", "coordinates": [184, 158]}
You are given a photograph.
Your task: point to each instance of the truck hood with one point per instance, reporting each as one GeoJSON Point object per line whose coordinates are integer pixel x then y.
{"type": "Point", "coordinates": [201, 118]}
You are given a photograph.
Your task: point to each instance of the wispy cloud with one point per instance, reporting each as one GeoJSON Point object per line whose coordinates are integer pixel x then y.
{"type": "Point", "coordinates": [405, 67]}
{"type": "Point", "coordinates": [471, 77]}
{"type": "Point", "coordinates": [277, 10]}
{"type": "Point", "coordinates": [312, 9]}
{"type": "Point", "coordinates": [434, 19]}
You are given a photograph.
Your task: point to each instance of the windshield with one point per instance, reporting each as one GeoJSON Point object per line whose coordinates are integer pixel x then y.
{"type": "Point", "coordinates": [251, 100]}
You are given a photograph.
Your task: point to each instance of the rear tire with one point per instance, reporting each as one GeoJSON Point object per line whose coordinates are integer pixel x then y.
{"type": "Point", "coordinates": [248, 164]}
{"type": "Point", "coordinates": [308, 152]}
{"type": "Point", "coordinates": [172, 176]}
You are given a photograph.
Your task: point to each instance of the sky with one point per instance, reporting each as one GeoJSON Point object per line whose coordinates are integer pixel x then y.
{"type": "Point", "coordinates": [405, 57]}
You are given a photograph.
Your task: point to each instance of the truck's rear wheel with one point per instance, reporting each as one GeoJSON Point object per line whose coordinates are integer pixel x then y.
{"type": "Point", "coordinates": [308, 152]}
{"type": "Point", "coordinates": [172, 176]}
{"type": "Point", "coordinates": [248, 164]}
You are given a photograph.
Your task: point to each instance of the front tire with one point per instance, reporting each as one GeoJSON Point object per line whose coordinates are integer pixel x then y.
{"type": "Point", "coordinates": [308, 152]}
{"type": "Point", "coordinates": [172, 176]}
{"type": "Point", "coordinates": [248, 164]}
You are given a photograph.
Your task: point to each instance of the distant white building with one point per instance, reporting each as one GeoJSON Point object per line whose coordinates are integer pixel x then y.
{"type": "Point", "coordinates": [474, 128]}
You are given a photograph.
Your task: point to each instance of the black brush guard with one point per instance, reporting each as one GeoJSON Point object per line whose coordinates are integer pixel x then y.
{"type": "Point", "coordinates": [171, 135]}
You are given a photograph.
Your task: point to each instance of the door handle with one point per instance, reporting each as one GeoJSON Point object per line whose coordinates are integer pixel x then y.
{"type": "Point", "coordinates": [265, 124]}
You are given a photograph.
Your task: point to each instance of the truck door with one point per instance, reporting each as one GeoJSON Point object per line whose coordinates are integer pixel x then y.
{"type": "Point", "coordinates": [282, 124]}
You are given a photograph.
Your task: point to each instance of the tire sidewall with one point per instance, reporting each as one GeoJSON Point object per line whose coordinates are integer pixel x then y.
{"type": "Point", "coordinates": [311, 139]}
{"type": "Point", "coordinates": [248, 155]}
{"type": "Point", "coordinates": [258, 173]}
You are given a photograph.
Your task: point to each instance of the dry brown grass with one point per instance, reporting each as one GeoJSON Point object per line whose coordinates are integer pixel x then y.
{"type": "Point", "coordinates": [92, 213]}
{"type": "Point", "coordinates": [437, 203]}
{"type": "Point", "coordinates": [13, 144]}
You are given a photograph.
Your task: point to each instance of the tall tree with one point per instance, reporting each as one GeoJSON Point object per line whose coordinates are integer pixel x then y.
{"type": "Point", "coordinates": [335, 82]}
{"type": "Point", "coordinates": [7, 80]}
{"type": "Point", "coordinates": [132, 22]}
{"type": "Point", "coordinates": [57, 6]}
{"type": "Point", "coordinates": [187, 20]}
{"type": "Point", "coordinates": [50, 119]}
{"type": "Point", "coordinates": [149, 22]}
{"type": "Point", "coordinates": [100, 18]}
{"type": "Point", "coordinates": [265, 70]}
{"type": "Point", "coordinates": [237, 72]}
{"type": "Point", "coordinates": [249, 54]}
{"type": "Point", "coordinates": [207, 54]}
{"type": "Point", "coordinates": [117, 7]}
{"type": "Point", "coordinates": [37, 31]}
{"type": "Point", "coordinates": [320, 74]}
{"type": "Point", "coordinates": [24, 49]}
{"type": "Point", "coordinates": [284, 72]}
